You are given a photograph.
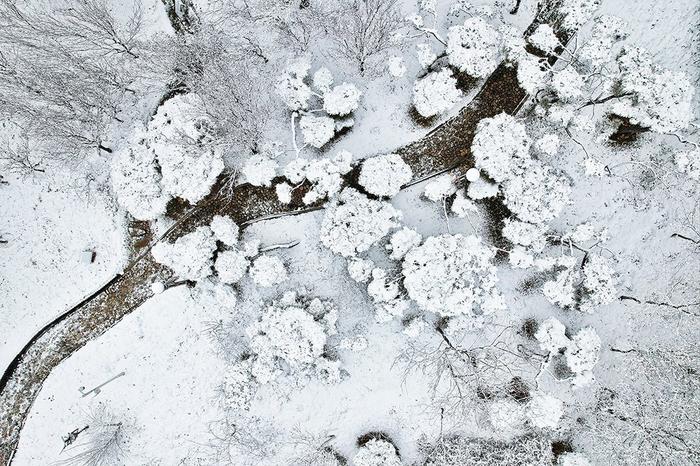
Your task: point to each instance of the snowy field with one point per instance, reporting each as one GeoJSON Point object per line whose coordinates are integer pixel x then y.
{"type": "Point", "coordinates": [541, 308]}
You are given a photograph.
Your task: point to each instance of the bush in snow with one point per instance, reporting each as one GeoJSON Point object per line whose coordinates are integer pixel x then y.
{"type": "Point", "coordinates": [599, 279]}
{"type": "Point", "coordinates": [267, 271]}
{"type": "Point", "coordinates": [436, 93]}
{"type": "Point", "coordinates": [548, 145]}
{"type": "Point", "coordinates": [689, 163]}
{"type": "Point", "coordinates": [568, 84]}
{"type": "Point", "coordinates": [214, 296]}
{"type": "Point", "coordinates": [317, 130]}
{"type": "Point", "coordinates": [582, 355]}
{"type": "Point", "coordinates": [500, 146]}
{"type": "Point", "coordinates": [537, 194]}
{"type": "Point", "coordinates": [578, 12]}
{"type": "Point", "coordinates": [136, 182]}
{"type": "Point", "coordinates": [231, 266]}
{"type": "Point", "coordinates": [360, 269]}
{"type": "Point", "coordinates": [544, 411]}
{"type": "Point", "coordinates": [224, 229]}
{"type": "Point", "coordinates": [325, 175]}
{"type": "Point", "coordinates": [290, 336]}
{"type": "Point", "coordinates": [377, 452]}
{"type": "Point", "coordinates": [239, 386]}
{"type": "Point", "coordinates": [660, 99]}
{"type": "Point", "coordinates": [292, 88]}
{"type": "Point", "coordinates": [384, 175]}
{"type": "Point", "coordinates": [507, 417]}
{"type": "Point", "coordinates": [452, 275]}
{"type": "Point", "coordinates": [534, 72]}
{"type": "Point", "coordinates": [598, 50]}
{"type": "Point", "coordinates": [402, 241]}
{"type": "Point", "coordinates": [386, 296]}
{"type": "Point", "coordinates": [530, 235]}
{"type": "Point", "coordinates": [440, 188]}
{"type": "Point", "coordinates": [190, 256]}
{"type": "Point", "coordinates": [551, 335]}
{"type": "Point", "coordinates": [473, 47]}
{"type": "Point", "coordinates": [396, 67]}
{"type": "Point", "coordinates": [189, 172]}
{"type": "Point", "coordinates": [341, 100]}
{"type": "Point", "coordinates": [544, 39]}
{"type": "Point", "coordinates": [355, 223]}
{"type": "Point", "coordinates": [482, 189]}
{"type": "Point", "coordinates": [259, 170]}
{"type": "Point", "coordinates": [461, 206]}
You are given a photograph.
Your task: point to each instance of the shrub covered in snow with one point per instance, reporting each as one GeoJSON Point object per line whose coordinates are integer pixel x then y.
{"type": "Point", "coordinates": [189, 172]}
{"type": "Point", "coordinates": [190, 256]}
{"type": "Point", "coordinates": [462, 451]}
{"type": "Point", "coordinates": [259, 170]}
{"type": "Point", "coordinates": [290, 336]}
{"type": "Point", "coordinates": [325, 175]}
{"type": "Point", "coordinates": [582, 355]}
{"type": "Point", "coordinates": [341, 100]}
{"type": "Point", "coordinates": [317, 130]}
{"type": "Point", "coordinates": [436, 93]}
{"type": "Point", "coordinates": [551, 335]}
{"type": "Point", "coordinates": [544, 411]}
{"type": "Point", "coordinates": [355, 223]}
{"type": "Point", "coordinates": [599, 279]}
{"type": "Point", "coordinates": [231, 266]}
{"type": "Point", "coordinates": [292, 88]}
{"type": "Point", "coordinates": [136, 183]}
{"type": "Point", "coordinates": [377, 452]}
{"type": "Point", "coordinates": [578, 12]}
{"type": "Point", "coordinates": [473, 47]}
{"type": "Point", "coordinates": [544, 38]}
{"type": "Point", "coordinates": [267, 271]}
{"type": "Point", "coordinates": [440, 188]}
{"type": "Point", "coordinates": [689, 163]}
{"type": "Point", "coordinates": [384, 175]}
{"type": "Point", "coordinates": [530, 235]}
{"type": "Point", "coordinates": [386, 296]}
{"type": "Point", "coordinates": [224, 229]}
{"type": "Point", "coordinates": [402, 241]}
{"type": "Point", "coordinates": [452, 275]}
{"type": "Point", "coordinates": [538, 194]}
{"type": "Point", "coordinates": [500, 146]}
{"type": "Point", "coordinates": [239, 386]}
{"type": "Point", "coordinates": [360, 269]}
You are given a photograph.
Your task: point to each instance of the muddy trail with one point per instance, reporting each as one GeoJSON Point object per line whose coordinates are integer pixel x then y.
{"type": "Point", "coordinates": [446, 148]}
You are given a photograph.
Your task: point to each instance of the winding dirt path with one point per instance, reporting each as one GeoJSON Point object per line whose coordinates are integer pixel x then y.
{"type": "Point", "coordinates": [445, 148]}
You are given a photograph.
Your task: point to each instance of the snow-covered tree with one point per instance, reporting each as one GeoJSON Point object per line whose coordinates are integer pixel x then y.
{"type": "Point", "coordinates": [190, 256]}
{"type": "Point", "coordinates": [239, 386]}
{"type": "Point", "coordinates": [544, 39]}
{"type": "Point", "coordinates": [473, 47]}
{"type": "Point", "coordinates": [231, 266]}
{"type": "Point", "coordinates": [341, 100]}
{"type": "Point", "coordinates": [359, 269]}
{"type": "Point", "coordinates": [225, 229]}
{"type": "Point", "coordinates": [316, 130]}
{"type": "Point", "coordinates": [136, 183]}
{"type": "Point", "coordinates": [436, 93]}
{"type": "Point", "coordinates": [325, 175]}
{"type": "Point", "coordinates": [266, 270]}
{"type": "Point", "coordinates": [530, 235]}
{"type": "Point", "coordinates": [578, 12]}
{"type": "Point", "coordinates": [452, 275]}
{"type": "Point", "coordinates": [440, 188]}
{"type": "Point", "coordinates": [402, 241]}
{"type": "Point", "coordinates": [295, 93]}
{"type": "Point", "coordinates": [551, 335]}
{"type": "Point", "coordinates": [582, 355]}
{"type": "Point", "coordinates": [689, 163]}
{"type": "Point", "coordinates": [599, 278]}
{"type": "Point", "coordinates": [538, 194]}
{"type": "Point", "coordinates": [500, 146]}
{"type": "Point", "coordinates": [544, 411]}
{"type": "Point", "coordinates": [290, 336]}
{"type": "Point", "coordinates": [355, 223]}
{"type": "Point", "coordinates": [259, 170]}
{"type": "Point", "coordinates": [384, 175]}
{"type": "Point", "coordinates": [386, 296]}
{"type": "Point", "coordinates": [659, 99]}
{"type": "Point", "coordinates": [377, 452]}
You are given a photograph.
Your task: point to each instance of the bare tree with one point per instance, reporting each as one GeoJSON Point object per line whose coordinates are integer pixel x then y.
{"type": "Point", "coordinates": [64, 69]}
{"type": "Point", "coordinates": [362, 30]}
{"type": "Point", "coordinates": [653, 416]}
{"type": "Point", "coordinates": [107, 436]}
